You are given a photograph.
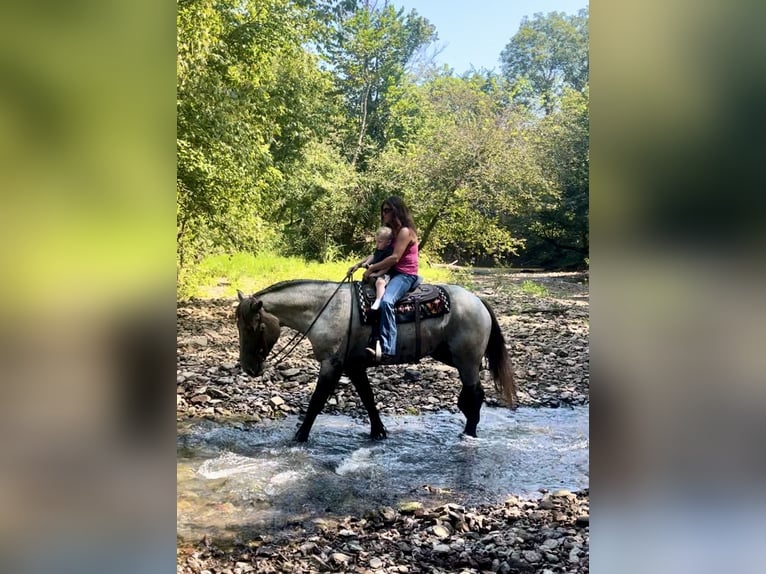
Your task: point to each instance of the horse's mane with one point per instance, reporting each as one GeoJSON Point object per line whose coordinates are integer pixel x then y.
{"type": "Point", "coordinates": [290, 283]}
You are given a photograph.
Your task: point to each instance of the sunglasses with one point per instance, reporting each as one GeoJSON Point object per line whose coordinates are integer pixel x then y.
{"type": "Point", "coordinates": [386, 210]}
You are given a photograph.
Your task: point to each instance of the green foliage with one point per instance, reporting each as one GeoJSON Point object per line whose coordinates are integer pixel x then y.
{"type": "Point", "coordinates": [295, 120]}
{"type": "Point", "coordinates": [368, 52]}
{"type": "Point", "coordinates": [248, 100]}
{"type": "Point", "coordinates": [548, 53]}
{"type": "Point", "coordinates": [533, 288]}
{"type": "Point", "coordinates": [221, 275]}
{"type": "Point", "coordinates": [559, 232]}
{"type": "Point", "coordinates": [466, 170]}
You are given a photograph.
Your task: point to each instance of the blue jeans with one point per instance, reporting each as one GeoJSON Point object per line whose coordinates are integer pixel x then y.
{"type": "Point", "coordinates": [395, 290]}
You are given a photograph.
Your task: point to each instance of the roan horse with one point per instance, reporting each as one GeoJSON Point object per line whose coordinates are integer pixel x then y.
{"type": "Point", "coordinates": [460, 339]}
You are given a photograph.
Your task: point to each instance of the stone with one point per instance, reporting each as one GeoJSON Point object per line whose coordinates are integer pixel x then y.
{"type": "Point", "coordinates": [564, 493]}
{"type": "Point", "coordinates": [410, 507]}
{"type": "Point", "coordinates": [376, 563]}
{"type": "Point", "coordinates": [276, 400]}
{"type": "Point", "coordinates": [199, 341]}
{"type": "Point", "coordinates": [340, 558]}
{"type": "Point", "coordinates": [387, 513]}
{"type": "Point", "coordinates": [531, 556]}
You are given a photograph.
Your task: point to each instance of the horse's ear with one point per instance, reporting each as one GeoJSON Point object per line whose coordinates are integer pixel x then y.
{"type": "Point", "coordinates": [257, 306]}
{"type": "Point", "coordinates": [240, 295]}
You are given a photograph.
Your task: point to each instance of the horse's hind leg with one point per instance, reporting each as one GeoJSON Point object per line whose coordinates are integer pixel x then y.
{"type": "Point", "coordinates": [329, 375]}
{"type": "Point", "coordinates": [471, 398]}
{"type": "Point", "coordinates": [358, 376]}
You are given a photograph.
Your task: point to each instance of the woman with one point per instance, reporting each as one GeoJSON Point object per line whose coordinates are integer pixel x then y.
{"type": "Point", "coordinates": [404, 270]}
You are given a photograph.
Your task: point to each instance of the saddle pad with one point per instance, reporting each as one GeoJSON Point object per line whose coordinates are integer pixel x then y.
{"type": "Point", "coordinates": [430, 300]}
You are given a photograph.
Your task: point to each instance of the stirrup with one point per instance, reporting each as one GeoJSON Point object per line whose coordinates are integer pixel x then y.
{"type": "Point", "coordinates": [375, 353]}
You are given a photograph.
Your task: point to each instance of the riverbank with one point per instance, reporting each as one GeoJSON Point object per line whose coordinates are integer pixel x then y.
{"type": "Point", "coordinates": [544, 317]}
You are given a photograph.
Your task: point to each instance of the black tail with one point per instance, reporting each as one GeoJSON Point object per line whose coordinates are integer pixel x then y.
{"type": "Point", "coordinates": [500, 361]}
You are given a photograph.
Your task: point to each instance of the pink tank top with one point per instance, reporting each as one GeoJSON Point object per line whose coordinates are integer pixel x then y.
{"type": "Point", "coordinates": [409, 261]}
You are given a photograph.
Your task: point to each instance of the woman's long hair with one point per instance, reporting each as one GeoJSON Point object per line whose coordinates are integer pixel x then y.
{"type": "Point", "coordinates": [401, 215]}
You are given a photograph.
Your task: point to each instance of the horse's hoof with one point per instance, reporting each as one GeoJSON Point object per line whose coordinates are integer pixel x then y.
{"type": "Point", "coordinates": [378, 435]}
{"type": "Point", "coordinates": [300, 437]}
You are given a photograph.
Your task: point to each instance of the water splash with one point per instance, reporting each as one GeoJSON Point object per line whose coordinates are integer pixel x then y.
{"type": "Point", "coordinates": [239, 476]}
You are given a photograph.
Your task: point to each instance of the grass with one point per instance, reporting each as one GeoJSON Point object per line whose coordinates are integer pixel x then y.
{"type": "Point", "coordinates": [222, 275]}
{"type": "Point", "coordinates": [532, 288]}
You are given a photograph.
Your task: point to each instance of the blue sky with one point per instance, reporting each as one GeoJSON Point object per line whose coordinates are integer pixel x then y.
{"type": "Point", "coordinates": [474, 32]}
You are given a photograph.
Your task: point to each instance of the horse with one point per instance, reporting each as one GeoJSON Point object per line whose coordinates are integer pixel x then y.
{"type": "Point", "coordinates": [459, 338]}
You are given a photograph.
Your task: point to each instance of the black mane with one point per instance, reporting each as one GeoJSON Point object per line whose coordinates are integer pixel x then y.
{"type": "Point", "coordinates": [284, 284]}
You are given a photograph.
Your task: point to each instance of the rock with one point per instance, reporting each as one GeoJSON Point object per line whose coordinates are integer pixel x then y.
{"type": "Point", "coordinates": [308, 548]}
{"type": "Point", "coordinates": [290, 373]}
{"type": "Point", "coordinates": [199, 341]}
{"type": "Point", "coordinates": [550, 544]}
{"type": "Point", "coordinates": [387, 513]}
{"type": "Point", "coordinates": [200, 399]}
{"type": "Point", "coordinates": [411, 374]}
{"type": "Point", "coordinates": [440, 531]}
{"type": "Point", "coordinates": [409, 507]}
{"type": "Point", "coordinates": [340, 558]}
{"type": "Point", "coordinates": [376, 563]}
{"type": "Point", "coordinates": [546, 503]}
{"type": "Point", "coordinates": [442, 548]}
{"type": "Point", "coordinates": [531, 556]}
{"type": "Point", "coordinates": [276, 401]}
{"type": "Point", "coordinates": [319, 563]}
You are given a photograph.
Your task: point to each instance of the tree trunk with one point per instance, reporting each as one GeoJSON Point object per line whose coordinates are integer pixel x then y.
{"type": "Point", "coordinates": [363, 125]}
{"type": "Point", "coordinates": [434, 220]}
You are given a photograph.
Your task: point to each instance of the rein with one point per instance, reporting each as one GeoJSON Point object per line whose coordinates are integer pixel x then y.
{"type": "Point", "coordinates": [300, 336]}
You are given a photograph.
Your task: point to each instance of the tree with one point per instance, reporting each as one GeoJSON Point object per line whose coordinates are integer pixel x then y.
{"type": "Point", "coordinates": [368, 53]}
{"type": "Point", "coordinates": [248, 101]}
{"type": "Point", "coordinates": [557, 232]}
{"type": "Point", "coordinates": [468, 169]}
{"type": "Point", "coordinates": [547, 54]}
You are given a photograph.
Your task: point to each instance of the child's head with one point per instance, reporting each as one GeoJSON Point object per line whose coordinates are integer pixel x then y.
{"type": "Point", "coordinates": [383, 237]}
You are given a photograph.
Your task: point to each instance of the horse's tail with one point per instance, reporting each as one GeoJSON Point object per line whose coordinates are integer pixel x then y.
{"type": "Point", "coordinates": [500, 361]}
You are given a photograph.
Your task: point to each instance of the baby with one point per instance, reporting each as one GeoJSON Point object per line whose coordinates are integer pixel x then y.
{"type": "Point", "coordinates": [383, 248]}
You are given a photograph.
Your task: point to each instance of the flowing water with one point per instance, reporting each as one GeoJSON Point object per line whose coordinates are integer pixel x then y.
{"type": "Point", "coordinates": [237, 478]}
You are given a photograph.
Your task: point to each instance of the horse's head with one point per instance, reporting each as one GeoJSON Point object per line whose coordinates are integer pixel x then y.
{"type": "Point", "coordinates": [258, 333]}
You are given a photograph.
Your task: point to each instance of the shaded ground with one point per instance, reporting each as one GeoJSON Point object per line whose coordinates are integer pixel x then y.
{"type": "Point", "coordinates": [544, 318]}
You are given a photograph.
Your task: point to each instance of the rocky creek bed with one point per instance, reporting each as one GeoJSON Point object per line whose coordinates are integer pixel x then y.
{"type": "Point", "coordinates": [544, 317]}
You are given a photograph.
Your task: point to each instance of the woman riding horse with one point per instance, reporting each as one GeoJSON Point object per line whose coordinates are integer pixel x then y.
{"type": "Point", "coordinates": [404, 270]}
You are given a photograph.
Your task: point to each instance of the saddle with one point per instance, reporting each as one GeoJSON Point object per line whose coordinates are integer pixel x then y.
{"type": "Point", "coordinates": [424, 301]}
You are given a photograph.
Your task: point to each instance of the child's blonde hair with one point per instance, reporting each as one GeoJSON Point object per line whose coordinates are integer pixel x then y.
{"type": "Point", "coordinates": [384, 232]}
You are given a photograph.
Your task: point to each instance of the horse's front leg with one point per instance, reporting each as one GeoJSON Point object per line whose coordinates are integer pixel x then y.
{"type": "Point", "coordinates": [329, 375]}
{"type": "Point", "coordinates": [358, 376]}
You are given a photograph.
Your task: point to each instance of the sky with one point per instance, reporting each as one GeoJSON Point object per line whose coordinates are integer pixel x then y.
{"type": "Point", "coordinates": [474, 32]}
